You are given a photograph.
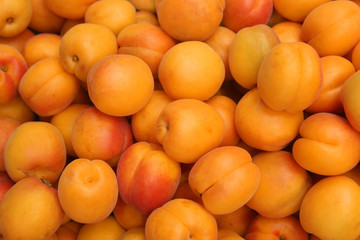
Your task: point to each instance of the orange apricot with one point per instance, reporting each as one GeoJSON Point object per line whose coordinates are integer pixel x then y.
{"type": "Point", "coordinates": [288, 31]}
{"type": "Point", "coordinates": [290, 77]}
{"type": "Point", "coordinates": [16, 18]}
{"type": "Point", "coordinates": [69, 9]}
{"type": "Point", "coordinates": [332, 28]}
{"type": "Point", "coordinates": [327, 145]}
{"type": "Point", "coordinates": [191, 69]}
{"type": "Point", "coordinates": [43, 20]}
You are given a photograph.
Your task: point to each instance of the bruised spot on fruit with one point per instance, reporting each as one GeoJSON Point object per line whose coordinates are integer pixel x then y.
{"type": "Point", "coordinates": [10, 20]}
{"type": "Point", "coordinates": [4, 68]}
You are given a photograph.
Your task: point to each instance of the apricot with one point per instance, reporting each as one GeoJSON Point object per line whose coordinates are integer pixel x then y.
{"type": "Point", "coordinates": [18, 41]}
{"type": "Point", "coordinates": [108, 229]}
{"type": "Point", "coordinates": [221, 41]}
{"type": "Point", "coordinates": [330, 209]}
{"type": "Point", "coordinates": [247, 51]}
{"type": "Point", "coordinates": [227, 234]}
{"type": "Point", "coordinates": [290, 77]}
{"type": "Point", "coordinates": [189, 20]}
{"type": "Point", "coordinates": [349, 98]}
{"type": "Point", "coordinates": [191, 69]}
{"type": "Point", "coordinates": [144, 5]}
{"type": "Point", "coordinates": [113, 14]}
{"type": "Point", "coordinates": [296, 10]}
{"type": "Point", "coordinates": [47, 88]}
{"type": "Point", "coordinates": [43, 20]}
{"type": "Point", "coordinates": [288, 31]}
{"type": "Point", "coordinates": [143, 122]}
{"type": "Point", "coordinates": [5, 184]}
{"type": "Point", "coordinates": [278, 129]}
{"type": "Point", "coordinates": [147, 176]}
{"type": "Point", "coordinates": [137, 233]}
{"type": "Point", "coordinates": [143, 16]}
{"type": "Point", "coordinates": [147, 41]}
{"type": "Point", "coordinates": [69, 9]}
{"type": "Point", "coordinates": [65, 121]}
{"type": "Point", "coordinates": [327, 145]}
{"type": "Point", "coordinates": [120, 84]}
{"type": "Point", "coordinates": [196, 125]}
{"type": "Point", "coordinates": [7, 127]}
{"type": "Point", "coordinates": [332, 28]}
{"type": "Point", "coordinates": [88, 190]}
{"type": "Point", "coordinates": [83, 45]}
{"type": "Point", "coordinates": [336, 70]}
{"type": "Point", "coordinates": [217, 173]}
{"type": "Point", "coordinates": [96, 135]}
{"type": "Point", "coordinates": [18, 110]}
{"type": "Point", "coordinates": [264, 228]}
{"type": "Point", "coordinates": [41, 46]}
{"type": "Point", "coordinates": [128, 216]}
{"type": "Point", "coordinates": [43, 152]}
{"type": "Point", "coordinates": [283, 185]}
{"type": "Point", "coordinates": [16, 18]}
{"type": "Point", "coordinates": [179, 219]}
{"type": "Point", "coordinates": [237, 221]}
{"type": "Point", "coordinates": [37, 214]}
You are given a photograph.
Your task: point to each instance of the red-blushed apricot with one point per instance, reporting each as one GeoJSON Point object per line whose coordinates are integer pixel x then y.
{"type": "Point", "coordinates": [217, 173]}
{"type": "Point", "coordinates": [47, 88]}
{"type": "Point", "coordinates": [108, 228]}
{"type": "Point", "coordinates": [220, 41]}
{"type": "Point", "coordinates": [350, 98]}
{"type": "Point", "coordinates": [5, 184]}
{"type": "Point", "coordinates": [88, 190]}
{"type": "Point", "coordinates": [83, 45]}
{"type": "Point", "coordinates": [283, 185]}
{"type": "Point", "coordinates": [43, 152]}
{"type": "Point", "coordinates": [332, 28]}
{"type": "Point", "coordinates": [290, 77]}
{"type": "Point", "coordinates": [96, 135]}
{"type": "Point", "coordinates": [147, 176]}
{"type": "Point", "coordinates": [128, 216]}
{"type": "Point", "coordinates": [327, 145]}
{"type": "Point", "coordinates": [226, 107]}
{"type": "Point", "coordinates": [296, 10]}
{"type": "Point", "coordinates": [191, 69]}
{"type": "Point", "coordinates": [278, 128]}
{"type": "Point", "coordinates": [147, 41]}
{"type": "Point", "coordinates": [181, 219]}
{"type": "Point", "coordinates": [120, 84]}
{"type": "Point", "coordinates": [30, 210]}
{"type": "Point", "coordinates": [288, 31]}
{"type": "Point", "coordinates": [336, 70]}
{"type": "Point", "coordinates": [189, 128]}
{"type": "Point", "coordinates": [7, 127]}
{"type": "Point", "coordinates": [237, 221]}
{"type": "Point", "coordinates": [247, 51]}
{"type": "Point", "coordinates": [113, 14]}
{"type": "Point", "coordinates": [65, 120]}
{"type": "Point", "coordinates": [189, 20]}
{"type": "Point", "coordinates": [239, 14]}
{"type": "Point", "coordinates": [330, 209]}
{"type": "Point", "coordinates": [18, 110]}
{"type": "Point", "coordinates": [143, 122]}
{"type": "Point", "coordinates": [264, 228]}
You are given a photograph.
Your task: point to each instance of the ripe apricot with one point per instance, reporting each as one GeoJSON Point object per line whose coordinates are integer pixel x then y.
{"type": "Point", "coordinates": [327, 145]}
{"type": "Point", "coordinates": [128, 216]}
{"type": "Point", "coordinates": [43, 20]}
{"type": "Point", "coordinates": [330, 209]}
{"type": "Point", "coordinates": [189, 20]}
{"type": "Point", "coordinates": [288, 31]}
{"type": "Point", "coordinates": [69, 9]}
{"type": "Point", "coordinates": [218, 172]}
{"type": "Point", "coordinates": [16, 18]}
{"type": "Point", "coordinates": [18, 110]}
{"type": "Point", "coordinates": [7, 126]}
{"type": "Point", "coordinates": [290, 77]}
{"type": "Point", "coordinates": [88, 190]}
{"type": "Point", "coordinates": [332, 28]}
{"type": "Point", "coordinates": [120, 84]}
{"type": "Point", "coordinates": [247, 52]}
{"type": "Point", "coordinates": [191, 69]}
{"type": "Point", "coordinates": [278, 129]}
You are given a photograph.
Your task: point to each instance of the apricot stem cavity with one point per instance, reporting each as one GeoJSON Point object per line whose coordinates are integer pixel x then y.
{"type": "Point", "coordinates": [75, 58]}
{"type": "Point", "coordinates": [10, 20]}
{"type": "Point", "coordinates": [4, 68]}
